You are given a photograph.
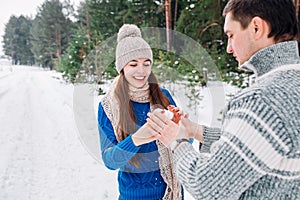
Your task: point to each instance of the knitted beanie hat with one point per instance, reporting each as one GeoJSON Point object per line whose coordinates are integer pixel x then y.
{"type": "Point", "coordinates": [131, 46]}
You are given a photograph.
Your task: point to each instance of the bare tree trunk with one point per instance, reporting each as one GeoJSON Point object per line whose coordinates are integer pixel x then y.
{"type": "Point", "coordinates": [168, 22]}
{"type": "Point", "coordinates": [58, 43]}
{"type": "Point", "coordinates": [12, 53]}
{"type": "Point", "coordinates": [220, 6]}
{"type": "Point", "coordinates": [175, 14]}
{"type": "Point", "coordinates": [87, 25]}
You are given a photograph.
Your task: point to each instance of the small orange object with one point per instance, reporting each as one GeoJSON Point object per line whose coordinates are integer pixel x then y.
{"type": "Point", "coordinates": [175, 111]}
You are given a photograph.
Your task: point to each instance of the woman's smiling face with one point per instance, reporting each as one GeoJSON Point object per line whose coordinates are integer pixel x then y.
{"type": "Point", "coordinates": [137, 72]}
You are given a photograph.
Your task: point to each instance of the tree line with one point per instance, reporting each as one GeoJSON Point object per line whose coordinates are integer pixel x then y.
{"type": "Point", "coordinates": [65, 38]}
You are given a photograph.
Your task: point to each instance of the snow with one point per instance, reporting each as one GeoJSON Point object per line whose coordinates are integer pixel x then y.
{"type": "Point", "coordinates": [49, 145]}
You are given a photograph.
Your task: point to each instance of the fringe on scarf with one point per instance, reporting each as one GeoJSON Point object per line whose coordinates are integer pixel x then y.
{"type": "Point", "coordinates": [166, 165]}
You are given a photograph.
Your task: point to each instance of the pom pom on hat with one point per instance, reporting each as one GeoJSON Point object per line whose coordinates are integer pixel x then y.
{"type": "Point", "coordinates": [129, 30]}
{"type": "Point", "coordinates": [131, 46]}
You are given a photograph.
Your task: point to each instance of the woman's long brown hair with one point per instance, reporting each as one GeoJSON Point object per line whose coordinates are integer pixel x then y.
{"type": "Point", "coordinates": [128, 125]}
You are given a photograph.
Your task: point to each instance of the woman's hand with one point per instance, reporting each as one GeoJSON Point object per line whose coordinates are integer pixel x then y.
{"type": "Point", "coordinates": [144, 135]}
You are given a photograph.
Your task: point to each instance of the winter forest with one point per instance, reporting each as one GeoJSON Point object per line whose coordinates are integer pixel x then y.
{"type": "Point", "coordinates": [65, 39]}
{"type": "Point", "coordinates": [59, 63]}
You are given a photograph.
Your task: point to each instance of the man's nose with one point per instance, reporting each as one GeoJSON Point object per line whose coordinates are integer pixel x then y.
{"type": "Point", "coordinates": [229, 48]}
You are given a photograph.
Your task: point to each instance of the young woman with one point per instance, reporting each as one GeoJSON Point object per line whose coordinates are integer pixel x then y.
{"type": "Point", "coordinates": [127, 142]}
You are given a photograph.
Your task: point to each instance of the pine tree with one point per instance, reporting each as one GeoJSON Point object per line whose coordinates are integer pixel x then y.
{"type": "Point", "coordinates": [17, 41]}
{"type": "Point", "coordinates": [50, 32]}
{"type": "Point", "coordinates": [203, 22]}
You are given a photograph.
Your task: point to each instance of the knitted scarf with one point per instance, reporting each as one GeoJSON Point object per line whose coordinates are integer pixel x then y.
{"type": "Point", "coordinates": [166, 165]}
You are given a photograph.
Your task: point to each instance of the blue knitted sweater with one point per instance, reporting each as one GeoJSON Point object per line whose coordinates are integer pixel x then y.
{"type": "Point", "coordinates": [144, 182]}
{"type": "Point", "coordinates": [256, 153]}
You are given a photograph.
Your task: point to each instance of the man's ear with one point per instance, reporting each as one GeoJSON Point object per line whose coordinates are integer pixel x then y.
{"type": "Point", "coordinates": [260, 27]}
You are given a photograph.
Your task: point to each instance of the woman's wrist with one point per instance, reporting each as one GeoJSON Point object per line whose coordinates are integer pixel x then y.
{"type": "Point", "coordinates": [136, 141]}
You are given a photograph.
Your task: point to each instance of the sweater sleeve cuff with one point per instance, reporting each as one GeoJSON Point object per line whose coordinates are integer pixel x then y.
{"type": "Point", "coordinates": [128, 145]}
{"type": "Point", "coordinates": [210, 135]}
{"type": "Point", "coordinates": [182, 150]}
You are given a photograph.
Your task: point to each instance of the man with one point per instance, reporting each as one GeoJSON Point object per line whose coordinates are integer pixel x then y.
{"type": "Point", "coordinates": [256, 153]}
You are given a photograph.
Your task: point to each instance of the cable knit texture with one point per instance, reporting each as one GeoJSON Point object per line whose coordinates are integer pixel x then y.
{"type": "Point", "coordinates": [256, 153]}
{"type": "Point", "coordinates": [155, 178]}
{"type": "Point", "coordinates": [130, 46]}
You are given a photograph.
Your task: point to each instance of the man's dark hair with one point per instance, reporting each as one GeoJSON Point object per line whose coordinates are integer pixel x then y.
{"type": "Point", "coordinates": [279, 14]}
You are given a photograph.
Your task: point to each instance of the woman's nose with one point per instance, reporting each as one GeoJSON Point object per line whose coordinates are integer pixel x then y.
{"type": "Point", "coordinates": [141, 67]}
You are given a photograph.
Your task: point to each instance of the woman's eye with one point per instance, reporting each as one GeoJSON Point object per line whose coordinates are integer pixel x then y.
{"type": "Point", "coordinates": [147, 64]}
{"type": "Point", "coordinates": [133, 65]}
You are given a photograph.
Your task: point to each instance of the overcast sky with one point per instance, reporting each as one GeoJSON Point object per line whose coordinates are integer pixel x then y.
{"type": "Point", "coordinates": [17, 8]}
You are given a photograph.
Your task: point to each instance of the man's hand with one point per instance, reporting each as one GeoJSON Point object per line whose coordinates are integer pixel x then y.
{"type": "Point", "coordinates": [160, 123]}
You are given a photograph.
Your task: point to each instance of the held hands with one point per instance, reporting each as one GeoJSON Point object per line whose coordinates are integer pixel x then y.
{"type": "Point", "coordinates": [179, 126]}
{"type": "Point", "coordinates": [161, 123]}
{"type": "Point", "coordinates": [167, 126]}
{"type": "Point", "coordinates": [144, 135]}
{"type": "Point", "coordinates": [148, 133]}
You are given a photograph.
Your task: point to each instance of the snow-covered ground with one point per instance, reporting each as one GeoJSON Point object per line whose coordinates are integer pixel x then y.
{"type": "Point", "coordinates": [41, 154]}
{"type": "Point", "coordinates": [49, 141]}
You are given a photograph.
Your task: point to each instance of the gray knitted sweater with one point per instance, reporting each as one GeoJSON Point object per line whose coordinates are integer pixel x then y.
{"type": "Point", "coordinates": [256, 153]}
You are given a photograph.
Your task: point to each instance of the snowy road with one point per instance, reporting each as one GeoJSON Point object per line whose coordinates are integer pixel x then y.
{"type": "Point", "coordinates": [41, 154]}
{"type": "Point", "coordinates": [49, 140]}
